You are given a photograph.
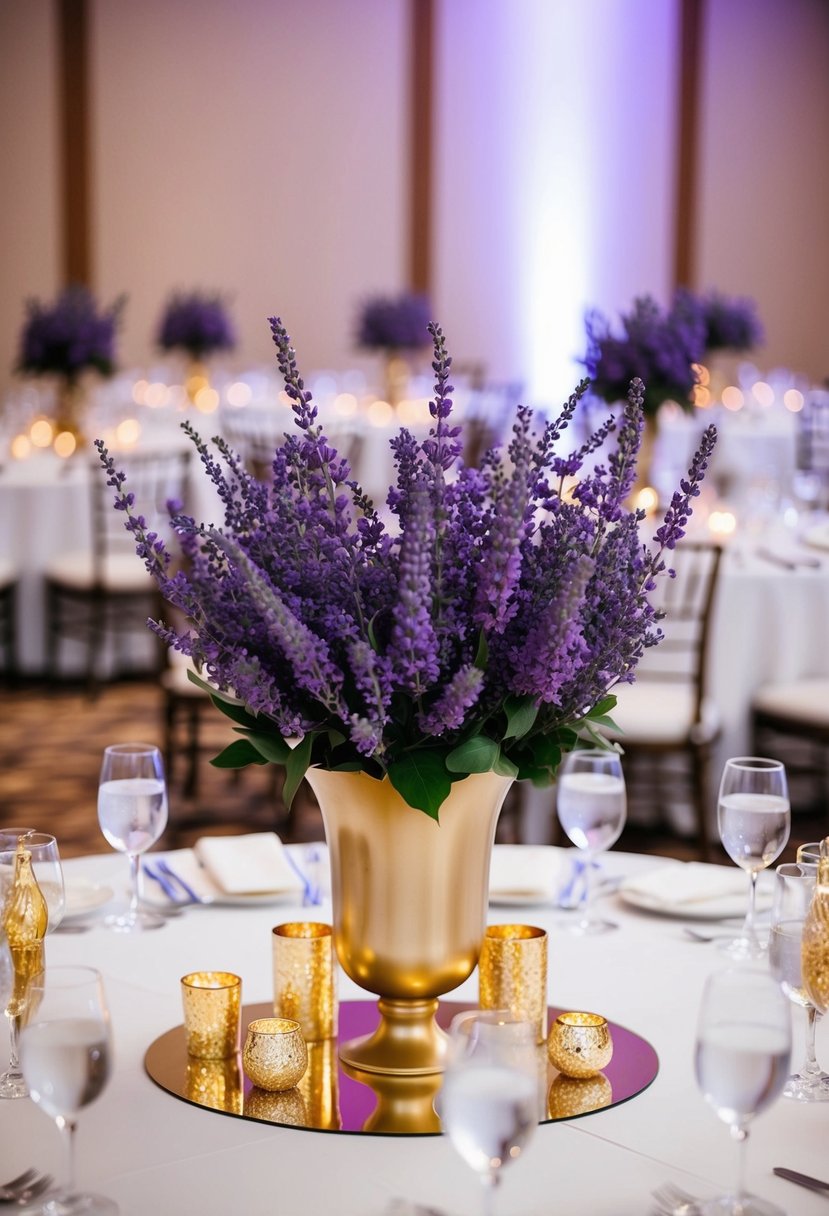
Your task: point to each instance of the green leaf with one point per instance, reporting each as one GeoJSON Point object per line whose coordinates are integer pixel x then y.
{"type": "Point", "coordinates": [505, 767]}
{"type": "Point", "coordinates": [545, 751]}
{"type": "Point", "coordinates": [272, 747]}
{"type": "Point", "coordinates": [476, 755]}
{"type": "Point", "coordinates": [372, 637]}
{"type": "Point", "coordinates": [296, 766]}
{"type": "Point", "coordinates": [335, 737]}
{"type": "Point", "coordinates": [604, 706]}
{"type": "Point", "coordinates": [235, 711]}
{"type": "Point", "coordinates": [521, 715]}
{"type": "Point", "coordinates": [421, 779]}
{"type": "Point", "coordinates": [237, 755]}
{"type": "Point", "coordinates": [482, 653]}
{"type": "Point", "coordinates": [606, 721]}
{"type": "Point", "coordinates": [225, 697]}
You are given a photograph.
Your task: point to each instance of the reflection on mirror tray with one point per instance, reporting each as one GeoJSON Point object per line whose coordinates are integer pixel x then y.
{"type": "Point", "coordinates": [334, 1097]}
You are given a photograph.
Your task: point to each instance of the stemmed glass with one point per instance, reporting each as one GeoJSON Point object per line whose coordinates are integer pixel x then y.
{"type": "Point", "coordinates": [490, 1100]}
{"type": "Point", "coordinates": [793, 890]}
{"type": "Point", "coordinates": [754, 821]}
{"type": "Point", "coordinates": [743, 1052]}
{"type": "Point", "coordinates": [132, 812]}
{"type": "Point", "coordinates": [65, 1051]}
{"type": "Point", "coordinates": [48, 871]}
{"type": "Point", "coordinates": [591, 803]}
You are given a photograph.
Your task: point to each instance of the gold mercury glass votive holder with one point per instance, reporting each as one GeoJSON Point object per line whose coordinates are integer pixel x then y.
{"type": "Point", "coordinates": [512, 973]}
{"type": "Point", "coordinates": [215, 1083]}
{"type": "Point", "coordinates": [303, 977]}
{"type": "Point", "coordinates": [579, 1044]}
{"type": "Point", "coordinates": [274, 1056]}
{"type": "Point", "coordinates": [212, 1002]}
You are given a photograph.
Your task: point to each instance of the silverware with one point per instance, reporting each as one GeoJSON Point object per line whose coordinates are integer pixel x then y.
{"type": "Point", "coordinates": [21, 1196]}
{"type": "Point", "coordinates": [9, 1190]}
{"type": "Point", "coordinates": [813, 1184]}
{"type": "Point", "coordinates": [671, 1200]}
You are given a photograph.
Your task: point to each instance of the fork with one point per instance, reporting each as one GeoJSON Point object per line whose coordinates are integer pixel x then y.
{"type": "Point", "coordinates": [671, 1200]}
{"type": "Point", "coordinates": [10, 1189]}
{"type": "Point", "coordinates": [21, 1196]}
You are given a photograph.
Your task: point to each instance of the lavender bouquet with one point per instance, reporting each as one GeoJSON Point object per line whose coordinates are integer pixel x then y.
{"type": "Point", "coordinates": [395, 323]}
{"type": "Point", "coordinates": [197, 323]}
{"type": "Point", "coordinates": [482, 629]}
{"type": "Point", "coordinates": [70, 336]}
{"type": "Point", "coordinates": [660, 348]}
{"type": "Point", "coordinates": [728, 324]}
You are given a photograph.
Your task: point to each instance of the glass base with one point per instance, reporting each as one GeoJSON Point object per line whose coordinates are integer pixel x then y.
{"type": "Point", "coordinates": [79, 1203]}
{"type": "Point", "coordinates": [743, 949]}
{"type": "Point", "coordinates": [742, 1205]}
{"type": "Point", "coordinates": [12, 1085]}
{"type": "Point", "coordinates": [589, 927]}
{"type": "Point", "coordinates": [138, 922]}
{"type": "Point", "coordinates": [807, 1088]}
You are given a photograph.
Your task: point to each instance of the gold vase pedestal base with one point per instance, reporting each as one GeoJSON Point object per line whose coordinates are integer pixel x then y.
{"type": "Point", "coordinates": [407, 1043]}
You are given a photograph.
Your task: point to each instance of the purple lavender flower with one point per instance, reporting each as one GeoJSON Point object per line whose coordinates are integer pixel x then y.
{"type": "Point", "coordinates": [494, 598]}
{"type": "Point", "coordinates": [394, 322]}
{"type": "Point", "coordinates": [660, 348]}
{"type": "Point", "coordinates": [729, 323]}
{"type": "Point", "coordinates": [69, 336]}
{"type": "Point", "coordinates": [197, 323]}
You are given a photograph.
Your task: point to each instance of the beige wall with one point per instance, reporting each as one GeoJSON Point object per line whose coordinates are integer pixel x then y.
{"type": "Point", "coordinates": [764, 204]}
{"type": "Point", "coordinates": [259, 147]}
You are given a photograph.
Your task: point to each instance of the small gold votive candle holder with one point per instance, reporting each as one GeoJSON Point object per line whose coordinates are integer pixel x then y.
{"type": "Point", "coordinates": [212, 1002]}
{"type": "Point", "coordinates": [579, 1044]}
{"type": "Point", "coordinates": [274, 1056]}
{"type": "Point", "coordinates": [512, 973]}
{"type": "Point", "coordinates": [303, 978]}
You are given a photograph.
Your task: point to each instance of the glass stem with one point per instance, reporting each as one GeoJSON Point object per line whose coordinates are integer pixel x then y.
{"type": "Point", "coordinates": [587, 906]}
{"type": "Point", "coordinates": [135, 876]}
{"type": "Point", "coordinates": [749, 930]}
{"type": "Point", "coordinates": [14, 1043]}
{"type": "Point", "coordinates": [67, 1130]}
{"type": "Point", "coordinates": [811, 1068]}
{"type": "Point", "coordinates": [490, 1182]}
{"type": "Point", "coordinates": [741, 1136]}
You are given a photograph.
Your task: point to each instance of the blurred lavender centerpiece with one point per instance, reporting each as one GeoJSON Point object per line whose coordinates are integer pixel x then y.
{"type": "Point", "coordinates": [198, 324]}
{"type": "Point", "coordinates": [730, 324]}
{"type": "Point", "coordinates": [398, 327]}
{"type": "Point", "coordinates": [482, 631]}
{"type": "Point", "coordinates": [65, 340]}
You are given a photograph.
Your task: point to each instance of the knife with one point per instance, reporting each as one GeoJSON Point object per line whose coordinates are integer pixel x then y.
{"type": "Point", "coordinates": [813, 1184]}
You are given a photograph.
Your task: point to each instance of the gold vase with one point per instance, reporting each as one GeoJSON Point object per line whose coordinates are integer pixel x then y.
{"type": "Point", "coordinates": [397, 373]}
{"type": "Point", "coordinates": [409, 905]}
{"type": "Point", "coordinates": [644, 461]}
{"type": "Point", "coordinates": [70, 410]}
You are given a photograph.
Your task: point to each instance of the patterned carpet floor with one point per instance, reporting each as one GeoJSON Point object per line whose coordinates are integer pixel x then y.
{"type": "Point", "coordinates": [51, 743]}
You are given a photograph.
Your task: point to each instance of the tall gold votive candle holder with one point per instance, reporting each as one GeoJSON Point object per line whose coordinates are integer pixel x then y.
{"type": "Point", "coordinates": [512, 971]}
{"type": "Point", "coordinates": [580, 1044]}
{"type": "Point", "coordinates": [303, 977]}
{"type": "Point", "coordinates": [212, 1002]}
{"type": "Point", "coordinates": [274, 1056]}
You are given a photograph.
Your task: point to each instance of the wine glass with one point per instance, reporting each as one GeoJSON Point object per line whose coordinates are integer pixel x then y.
{"type": "Point", "coordinates": [132, 812]}
{"type": "Point", "coordinates": [793, 889]}
{"type": "Point", "coordinates": [65, 1052]}
{"type": "Point", "coordinates": [490, 1100]}
{"type": "Point", "coordinates": [743, 1052]}
{"type": "Point", "coordinates": [48, 873]}
{"type": "Point", "coordinates": [754, 822]}
{"type": "Point", "coordinates": [591, 804]}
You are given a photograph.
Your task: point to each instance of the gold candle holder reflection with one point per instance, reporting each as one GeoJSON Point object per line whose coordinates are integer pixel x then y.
{"type": "Point", "coordinates": [319, 1087]}
{"type": "Point", "coordinates": [274, 1055]}
{"type": "Point", "coordinates": [579, 1044]}
{"type": "Point", "coordinates": [215, 1083]}
{"type": "Point", "coordinates": [512, 972]}
{"type": "Point", "coordinates": [283, 1106]}
{"type": "Point", "coordinates": [570, 1096]}
{"type": "Point", "coordinates": [212, 1002]}
{"type": "Point", "coordinates": [303, 978]}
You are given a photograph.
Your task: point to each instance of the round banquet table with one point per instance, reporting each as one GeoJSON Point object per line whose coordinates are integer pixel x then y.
{"type": "Point", "coordinates": [154, 1153]}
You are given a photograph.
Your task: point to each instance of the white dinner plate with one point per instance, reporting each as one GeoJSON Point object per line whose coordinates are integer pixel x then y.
{"type": "Point", "coordinates": [519, 899]}
{"type": "Point", "coordinates": [83, 896]}
{"type": "Point", "coordinates": [722, 908]}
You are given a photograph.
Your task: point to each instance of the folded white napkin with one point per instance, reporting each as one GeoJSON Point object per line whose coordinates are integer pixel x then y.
{"type": "Point", "coordinates": [688, 882]}
{"type": "Point", "coordinates": [247, 865]}
{"type": "Point", "coordinates": [524, 872]}
{"type": "Point", "coordinates": [818, 536]}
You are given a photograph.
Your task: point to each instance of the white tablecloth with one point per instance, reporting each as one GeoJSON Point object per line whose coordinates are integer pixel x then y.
{"type": "Point", "coordinates": [155, 1154]}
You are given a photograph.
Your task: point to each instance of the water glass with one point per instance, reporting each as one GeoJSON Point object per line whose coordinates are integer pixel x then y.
{"type": "Point", "coordinates": [754, 822]}
{"type": "Point", "coordinates": [591, 804]}
{"type": "Point", "coordinates": [132, 812]}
